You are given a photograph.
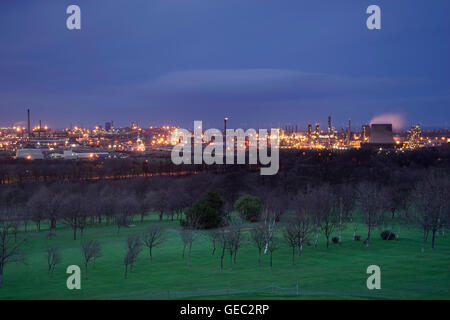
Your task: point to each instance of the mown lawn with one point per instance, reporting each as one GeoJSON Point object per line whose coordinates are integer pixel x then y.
{"type": "Point", "coordinates": [338, 272]}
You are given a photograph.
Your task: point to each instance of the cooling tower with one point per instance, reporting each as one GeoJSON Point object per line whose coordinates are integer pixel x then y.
{"type": "Point", "coordinates": [381, 134]}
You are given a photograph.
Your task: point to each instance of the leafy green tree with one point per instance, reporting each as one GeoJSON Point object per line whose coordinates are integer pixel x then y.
{"type": "Point", "coordinates": [202, 216]}
{"type": "Point", "coordinates": [205, 214]}
{"type": "Point", "coordinates": [249, 207]}
{"type": "Point", "coordinates": [214, 200]}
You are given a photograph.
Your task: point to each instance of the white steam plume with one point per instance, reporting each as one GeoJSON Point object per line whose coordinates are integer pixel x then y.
{"type": "Point", "coordinates": [397, 120]}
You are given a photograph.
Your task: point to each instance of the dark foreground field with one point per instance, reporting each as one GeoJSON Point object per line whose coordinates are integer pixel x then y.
{"type": "Point", "coordinates": [338, 272]}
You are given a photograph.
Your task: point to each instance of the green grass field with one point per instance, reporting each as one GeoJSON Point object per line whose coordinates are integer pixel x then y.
{"type": "Point", "coordinates": [338, 272]}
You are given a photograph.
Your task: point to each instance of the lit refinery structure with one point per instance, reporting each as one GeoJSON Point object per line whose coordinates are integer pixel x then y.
{"type": "Point", "coordinates": [41, 142]}
{"type": "Point", "coordinates": [373, 136]}
{"type": "Point", "coordinates": [319, 139]}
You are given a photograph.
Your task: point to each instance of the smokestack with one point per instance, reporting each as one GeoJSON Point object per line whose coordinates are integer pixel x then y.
{"type": "Point", "coordinates": [29, 129]}
{"type": "Point", "coordinates": [225, 134]}
{"type": "Point", "coordinates": [40, 128]}
{"type": "Point", "coordinates": [329, 131]}
{"type": "Point", "coordinates": [225, 126]}
{"type": "Point", "coordinates": [349, 131]}
{"type": "Point", "coordinates": [329, 125]}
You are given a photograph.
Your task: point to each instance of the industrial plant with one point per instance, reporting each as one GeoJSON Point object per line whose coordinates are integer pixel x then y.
{"type": "Point", "coordinates": [41, 142]}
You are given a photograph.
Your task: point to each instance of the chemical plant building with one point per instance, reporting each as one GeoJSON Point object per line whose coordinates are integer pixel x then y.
{"type": "Point", "coordinates": [30, 154]}
{"type": "Point", "coordinates": [38, 154]}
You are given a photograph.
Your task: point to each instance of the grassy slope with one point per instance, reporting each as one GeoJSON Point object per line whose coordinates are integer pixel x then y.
{"type": "Point", "coordinates": [335, 273]}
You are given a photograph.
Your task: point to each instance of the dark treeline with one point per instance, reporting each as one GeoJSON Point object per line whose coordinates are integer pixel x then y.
{"type": "Point", "coordinates": [326, 166]}
{"type": "Point", "coordinates": [79, 204]}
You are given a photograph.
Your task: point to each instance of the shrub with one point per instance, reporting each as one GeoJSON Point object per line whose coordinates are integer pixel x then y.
{"type": "Point", "coordinates": [249, 207]}
{"type": "Point", "coordinates": [50, 235]}
{"type": "Point", "coordinates": [214, 200]}
{"type": "Point", "coordinates": [357, 238]}
{"type": "Point", "coordinates": [387, 235]}
{"type": "Point", "coordinates": [335, 239]}
{"type": "Point", "coordinates": [205, 214]}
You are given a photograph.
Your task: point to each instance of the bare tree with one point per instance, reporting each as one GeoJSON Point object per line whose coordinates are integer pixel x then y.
{"type": "Point", "coordinates": [345, 195]}
{"type": "Point", "coordinates": [236, 240]}
{"type": "Point", "coordinates": [178, 201]}
{"type": "Point", "coordinates": [304, 219]}
{"type": "Point", "coordinates": [14, 228]}
{"type": "Point", "coordinates": [44, 204]}
{"type": "Point", "coordinates": [325, 208]}
{"type": "Point", "coordinates": [258, 237]}
{"type": "Point", "coordinates": [159, 201]}
{"type": "Point", "coordinates": [53, 258]}
{"type": "Point", "coordinates": [274, 204]}
{"type": "Point", "coordinates": [37, 206]}
{"type": "Point", "coordinates": [431, 205]}
{"type": "Point", "coordinates": [213, 236]}
{"type": "Point", "coordinates": [225, 241]}
{"type": "Point", "coordinates": [125, 209]}
{"type": "Point", "coordinates": [355, 229]}
{"type": "Point", "coordinates": [273, 245]}
{"type": "Point", "coordinates": [133, 248]}
{"type": "Point", "coordinates": [271, 213]}
{"type": "Point", "coordinates": [86, 209]}
{"type": "Point", "coordinates": [54, 202]}
{"type": "Point", "coordinates": [70, 211]}
{"type": "Point", "coordinates": [24, 217]}
{"type": "Point", "coordinates": [223, 244]}
{"type": "Point", "coordinates": [291, 238]}
{"type": "Point", "coordinates": [107, 207]}
{"type": "Point", "coordinates": [153, 237]}
{"type": "Point", "coordinates": [392, 202]}
{"type": "Point", "coordinates": [144, 205]}
{"type": "Point", "coordinates": [369, 200]}
{"type": "Point", "coordinates": [188, 236]}
{"type": "Point", "coordinates": [91, 251]}
{"type": "Point", "coordinates": [10, 250]}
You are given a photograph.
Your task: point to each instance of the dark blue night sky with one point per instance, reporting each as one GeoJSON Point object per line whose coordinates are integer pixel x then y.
{"type": "Point", "coordinates": [263, 63]}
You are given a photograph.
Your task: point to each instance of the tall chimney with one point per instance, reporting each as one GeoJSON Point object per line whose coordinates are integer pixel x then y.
{"type": "Point", "coordinates": [329, 125]}
{"type": "Point", "coordinates": [349, 135]}
{"type": "Point", "coordinates": [29, 129]}
{"type": "Point", "coordinates": [329, 131]}
{"type": "Point", "coordinates": [225, 134]}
